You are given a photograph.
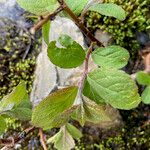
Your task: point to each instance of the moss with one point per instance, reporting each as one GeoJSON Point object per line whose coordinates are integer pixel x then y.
{"type": "Point", "coordinates": [17, 55]}
{"type": "Point", "coordinates": [123, 32]}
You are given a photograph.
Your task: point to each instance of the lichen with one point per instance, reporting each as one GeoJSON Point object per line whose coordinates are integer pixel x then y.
{"type": "Point", "coordinates": [123, 32]}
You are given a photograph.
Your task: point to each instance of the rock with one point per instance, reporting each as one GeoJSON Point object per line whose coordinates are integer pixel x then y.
{"type": "Point", "coordinates": [103, 37]}
{"type": "Point", "coordinates": [54, 76]}
{"type": "Point", "coordinates": [11, 10]}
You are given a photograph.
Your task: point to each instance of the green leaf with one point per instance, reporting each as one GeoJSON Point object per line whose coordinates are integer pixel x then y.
{"type": "Point", "coordinates": [91, 112]}
{"type": "Point", "coordinates": [21, 113]}
{"type": "Point", "coordinates": [95, 113]}
{"type": "Point", "coordinates": [146, 95]}
{"type": "Point", "coordinates": [79, 115]}
{"type": "Point", "coordinates": [111, 57]}
{"type": "Point", "coordinates": [17, 103]}
{"type": "Point", "coordinates": [62, 140]}
{"type": "Point", "coordinates": [39, 7]}
{"type": "Point", "coordinates": [89, 92]}
{"type": "Point", "coordinates": [143, 78]}
{"type": "Point", "coordinates": [109, 9]}
{"type": "Point", "coordinates": [14, 99]}
{"type": "Point", "coordinates": [43, 7]}
{"type": "Point", "coordinates": [115, 87]}
{"type": "Point", "coordinates": [2, 125]}
{"type": "Point", "coordinates": [76, 133]}
{"type": "Point", "coordinates": [76, 6]}
{"type": "Point", "coordinates": [71, 56]}
{"type": "Point", "coordinates": [52, 107]}
{"type": "Point", "coordinates": [61, 119]}
{"type": "Point", "coordinates": [45, 32]}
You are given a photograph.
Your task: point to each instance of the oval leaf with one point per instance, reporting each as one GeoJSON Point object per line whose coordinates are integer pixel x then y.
{"type": "Point", "coordinates": [39, 7]}
{"type": "Point", "coordinates": [143, 78]}
{"type": "Point", "coordinates": [53, 106]}
{"type": "Point", "coordinates": [111, 57]}
{"type": "Point", "coordinates": [109, 9]}
{"type": "Point", "coordinates": [146, 95]}
{"type": "Point", "coordinates": [115, 87]}
{"type": "Point", "coordinates": [71, 56]}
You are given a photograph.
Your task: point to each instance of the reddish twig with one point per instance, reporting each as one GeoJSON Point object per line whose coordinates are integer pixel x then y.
{"type": "Point", "coordinates": [45, 19]}
{"type": "Point", "coordinates": [147, 63]}
{"type": "Point", "coordinates": [85, 72]}
{"type": "Point", "coordinates": [145, 54]}
{"type": "Point", "coordinates": [80, 24]}
{"type": "Point", "coordinates": [42, 139]}
{"type": "Point", "coordinates": [11, 141]}
{"type": "Point", "coordinates": [146, 123]}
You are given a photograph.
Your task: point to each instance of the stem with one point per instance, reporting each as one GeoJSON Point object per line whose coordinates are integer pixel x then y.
{"type": "Point", "coordinates": [45, 20]}
{"type": "Point", "coordinates": [147, 63]}
{"type": "Point", "coordinates": [10, 142]}
{"type": "Point", "coordinates": [80, 24]}
{"type": "Point", "coordinates": [42, 139]}
{"type": "Point", "coordinates": [85, 72]}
